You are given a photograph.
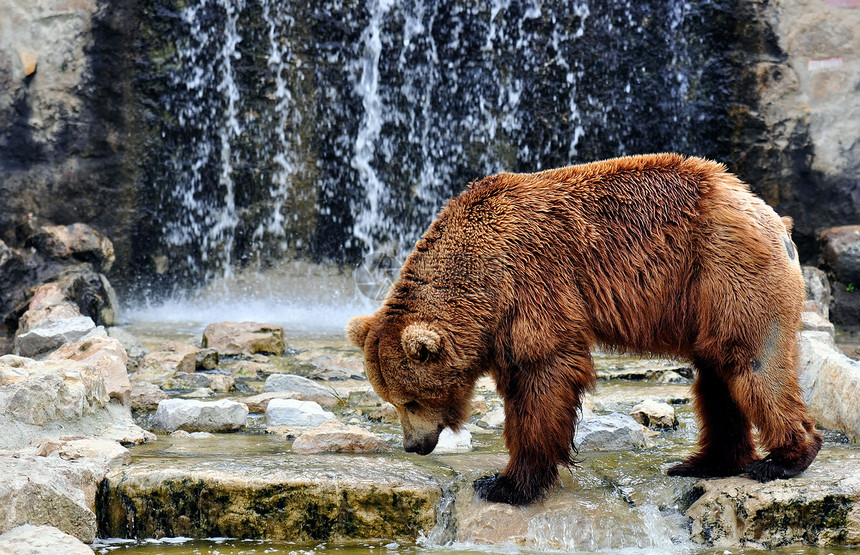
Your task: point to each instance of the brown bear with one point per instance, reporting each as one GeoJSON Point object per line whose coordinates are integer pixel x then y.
{"type": "Point", "coordinates": [522, 274]}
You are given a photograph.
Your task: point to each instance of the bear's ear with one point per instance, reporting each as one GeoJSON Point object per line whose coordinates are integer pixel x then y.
{"type": "Point", "coordinates": [420, 342]}
{"type": "Point", "coordinates": [357, 329]}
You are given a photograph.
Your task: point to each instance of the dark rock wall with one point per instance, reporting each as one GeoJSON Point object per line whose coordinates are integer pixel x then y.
{"type": "Point", "coordinates": [193, 155]}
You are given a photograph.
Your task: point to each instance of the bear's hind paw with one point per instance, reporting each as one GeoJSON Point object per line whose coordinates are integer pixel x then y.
{"type": "Point", "coordinates": [497, 488]}
{"type": "Point", "coordinates": [768, 469]}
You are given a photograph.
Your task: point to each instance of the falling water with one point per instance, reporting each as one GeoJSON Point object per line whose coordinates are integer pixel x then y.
{"type": "Point", "coordinates": [334, 130]}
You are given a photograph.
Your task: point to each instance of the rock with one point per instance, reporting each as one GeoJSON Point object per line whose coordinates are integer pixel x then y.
{"type": "Point", "coordinates": [653, 414]}
{"type": "Point", "coordinates": [49, 491]}
{"type": "Point", "coordinates": [132, 344]}
{"type": "Point", "coordinates": [106, 355]}
{"type": "Point", "coordinates": [185, 381]}
{"type": "Point", "coordinates": [78, 241]}
{"type": "Point", "coordinates": [309, 390]}
{"type": "Point", "coordinates": [332, 436]}
{"type": "Point", "coordinates": [819, 507]}
{"type": "Point", "coordinates": [831, 384]}
{"type": "Point", "coordinates": [165, 361]}
{"type": "Point", "coordinates": [364, 398]}
{"type": "Point", "coordinates": [207, 359]}
{"type": "Point", "coordinates": [295, 413]}
{"type": "Point", "coordinates": [57, 398]}
{"type": "Point", "coordinates": [612, 432]}
{"type": "Point", "coordinates": [386, 413]}
{"type": "Point", "coordinates": [479, 406]}
{"type": "Point", "coordinates": [493, 419]}
{"type": "Point", "coordinates": [840, 253]}
{"type": "Point", "coordinates": [35, 393]}
{"type": "Point", "coordinates": [194, 435]}
{"type": "Point", "coordinates": [326, 367]}
{"type": "Point", "coordinates": [199, 393]}
{"type": "Point", "coordinates": [450, 442]}
{"type": "Point", "coordinates": [41, 340]}
{"type": "Point", "coordinates": [146, 396]}
{"type": "Point", "coordinates": [233, 338]}
{"type": "Point", "coordinates": [200, 416]}
{"type": "Point", "coordinates": [813, 321]}
{"type": "Point", "coordinates": [105, 452]}
{"type": "Point", "coordinates": [34, 540]}
{"type": "Point", "coordinates": [300, 498]}
{"type": "Point", "coordinates": [818, 294]}
{"type": "Point", "coordinates": [257, 403]}
{"type": "Point", "coordinates": [221, 382]}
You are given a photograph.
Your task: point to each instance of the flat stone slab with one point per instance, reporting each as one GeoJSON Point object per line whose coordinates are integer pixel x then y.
{"type": "Point", "coordinates": [297, 498]}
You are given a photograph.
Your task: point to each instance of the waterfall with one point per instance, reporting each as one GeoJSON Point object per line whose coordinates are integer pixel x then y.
{"type": "Point", "coordinates": [333, 131]}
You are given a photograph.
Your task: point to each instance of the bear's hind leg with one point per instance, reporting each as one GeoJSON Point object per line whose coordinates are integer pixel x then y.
{"type": "Point", "coordinates": [726, 443]}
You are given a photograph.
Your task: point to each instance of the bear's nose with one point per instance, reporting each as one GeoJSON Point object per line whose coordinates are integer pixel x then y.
{"type": "Point", "coordinates": [424, 447]}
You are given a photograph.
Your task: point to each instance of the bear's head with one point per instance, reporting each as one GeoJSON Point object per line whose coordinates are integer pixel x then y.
{"type": "Point", "coordinates": [411, 364]}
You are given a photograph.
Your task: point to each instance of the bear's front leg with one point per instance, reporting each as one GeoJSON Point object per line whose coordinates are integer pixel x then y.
{"type": "Point", "coordinates": [541, 408]}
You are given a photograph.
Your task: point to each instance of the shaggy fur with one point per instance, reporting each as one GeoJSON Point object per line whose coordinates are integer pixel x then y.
{"type": "Point", "coordinates": [522, 274]}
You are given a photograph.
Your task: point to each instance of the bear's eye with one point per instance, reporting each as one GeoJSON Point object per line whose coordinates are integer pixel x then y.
{"type": "Point", "coordinates": [411, 406]}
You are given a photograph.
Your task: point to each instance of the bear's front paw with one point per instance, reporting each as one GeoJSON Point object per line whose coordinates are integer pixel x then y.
{"type": "Point", "coordinates": [500, 489]}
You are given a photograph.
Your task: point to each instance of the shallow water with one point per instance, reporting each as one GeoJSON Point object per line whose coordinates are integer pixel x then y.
{"type": "Point", "coordinates": [313, 316]}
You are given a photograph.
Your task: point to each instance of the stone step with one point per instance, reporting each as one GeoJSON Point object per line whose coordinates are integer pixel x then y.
{"type": "Point", "coordinates": [300, 498]}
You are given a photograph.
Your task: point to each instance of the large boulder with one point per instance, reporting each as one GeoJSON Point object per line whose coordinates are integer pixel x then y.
{"type": "Point", "coordinates": [36, 393]}
{"type": "Point", "coordinates": [42, 340]}
{"type": "Point", "coordinates": [105, 354]}
{"type": "Point", "coordinates": [77, 241]}
{"type": "Point", "coordinates": [831, 384]}
{"type": "Point", "coordinates": [819, 507]}
{"type": "Point", "coordinates": [818, 293]}
{"type": "Point", "coordinates": [840, 253]}
{"type": "Point", "coordinates": [58, 398]}
{"type": "Point", "coordinates": [32, 540]}
{"type": "Point", "coordinates": [236, 338]}
{"type": "Point", "coordinates": [200, 416]}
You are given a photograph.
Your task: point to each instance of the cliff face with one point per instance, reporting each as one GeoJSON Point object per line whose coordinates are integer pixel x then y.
{"type": "Point", "coordinates": [64, 133]}
{"type": "Point", "coordinates": [94, 96]}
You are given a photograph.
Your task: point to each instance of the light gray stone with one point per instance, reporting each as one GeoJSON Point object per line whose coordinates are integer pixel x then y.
{"type": "Point", "coordinates": [451, 442]}
{"type": "Point", "coordinates": [333, 436]}
{"type": "Point", "coordinates": [37, 540]}
{"type": "Point", "coordinates": [493, 419]}
{"type": "Point", "coordinates": [49, 491]}
{"type": "Point", "coordinates": [654, 414]}
{"type": "Point", "coordinates": [819, 507]}
{"type": "Point", "coordinates": [818, 294]}
{"type": "Point", "coordinates": [831, 384]}
{"type": "Point", "coordinates": [309, 390]}
{"type": "Point", "coordinates": [132, 344]}
{"type": "Point", "coordinates": [52, 335]}
{"type": "Point", "coordinates": [200, 416]}
{"type": "Point", "coordinates": [296, 414]}
{"type": "Point", "coordinates": [34, 392]}
{"type": "Point", "coordinates": [611, 432]}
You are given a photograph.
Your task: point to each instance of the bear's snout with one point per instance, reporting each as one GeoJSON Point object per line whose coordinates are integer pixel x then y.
{"type": "Point", "coordinates": [423, 446]}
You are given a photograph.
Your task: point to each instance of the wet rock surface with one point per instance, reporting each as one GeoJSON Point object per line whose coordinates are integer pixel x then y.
{"type": "Point", "coordinates": [305, 497]}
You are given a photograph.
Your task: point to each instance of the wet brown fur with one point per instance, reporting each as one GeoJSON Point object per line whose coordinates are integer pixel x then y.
{"type": "Point", "coordinates": [522, 274]}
